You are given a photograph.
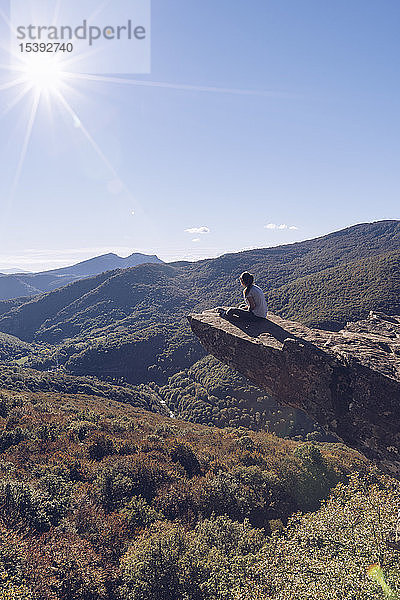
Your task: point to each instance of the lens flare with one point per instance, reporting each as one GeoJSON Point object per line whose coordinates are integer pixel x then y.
{"type": "Point", "coordinates": [43, 73]}
{"type": "Point", "coordinates": [375, 573]}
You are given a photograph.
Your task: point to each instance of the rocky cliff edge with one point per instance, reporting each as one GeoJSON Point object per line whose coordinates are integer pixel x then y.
{"type": "Point", "coordinates": [347, 381]}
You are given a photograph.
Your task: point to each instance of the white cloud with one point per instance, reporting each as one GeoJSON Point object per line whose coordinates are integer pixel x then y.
{"type": "Point", "coordinates": [281, 227]}
{"type": "Point", "coordinates": [196, 240]}
{"type": "Point", "coordinates": [198, 230]}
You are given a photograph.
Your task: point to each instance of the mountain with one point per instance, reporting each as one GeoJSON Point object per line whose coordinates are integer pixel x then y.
{"type": "Point", "coordinates": [31, 284]}
{"type": "Point", "coordinates": [106, 262]}
{"type": "Point", "coordinates": [13, 271]}
{"type": "Point", "coordinates": [131, 323]}
{"type": "Point", "coordinates": [104, 496]}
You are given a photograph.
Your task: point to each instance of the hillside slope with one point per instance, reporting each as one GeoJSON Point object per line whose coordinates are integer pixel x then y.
{"type": "Point", "coordinates": [102, 500]}
{"type": "Point", "coordinates": [31, 284]}
{"type": "Point", "coordinates": [130, 323]}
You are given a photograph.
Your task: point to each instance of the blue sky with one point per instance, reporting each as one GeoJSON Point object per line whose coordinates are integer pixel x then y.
{"type": "Point", "coordinates": [312, 145]}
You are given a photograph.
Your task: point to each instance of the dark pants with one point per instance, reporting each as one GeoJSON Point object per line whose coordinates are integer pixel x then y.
{"type": "Point", "coordinates": [242, 314]}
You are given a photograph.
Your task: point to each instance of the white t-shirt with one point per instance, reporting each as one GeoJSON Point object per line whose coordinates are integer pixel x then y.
{"type": "Point", "coordinates": [257, 295]}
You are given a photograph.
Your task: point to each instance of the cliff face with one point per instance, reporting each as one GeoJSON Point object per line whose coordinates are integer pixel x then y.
{"type": "Point", "coordinates": [348, 381]}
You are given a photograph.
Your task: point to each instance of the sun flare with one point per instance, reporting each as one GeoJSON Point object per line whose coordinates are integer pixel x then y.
{"type": "Point", "coordinates": [43, 73]}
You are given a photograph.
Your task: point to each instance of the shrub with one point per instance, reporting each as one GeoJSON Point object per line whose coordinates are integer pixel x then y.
{"type": "Point", "coordinates": [11, 437]}
{"type": "Point", "coordinates": [316, 479]}
{"type": "Point", "coordinates": [228, 537]}
{"type": "Point", "coordinates": [107, 534]}
{"type": "Point", "coordinates": [117, 484]}
{"type": "Point", "coordinates": [138, 513]}
{"type": "Point", "coordinates": [81, 429]}
{"type": "Point", "coordinates": [76, 569]}
{"type": "Point", "coordinates": [170, 564]}
{"type": "Point", "coordinates": [12, 558]}
{"type": "Point", "coordinates": [176, 501]}
{"type": "Point", "coordinates": [184, 455]}
{"type": "Point", "coordinates": [244, 492]}
{"type": "Point", "coordinates": [151, 569]}
{"type": "Point", "coordinates": [101, 447]}
{"type": "Point", "coordinates": [59, 490]}
{"type": "Point", "coordinates": [22, 503]}
{"type": "Point", "coordinates": [326, 554]}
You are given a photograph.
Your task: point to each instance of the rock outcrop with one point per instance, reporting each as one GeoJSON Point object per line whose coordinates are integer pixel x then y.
{"type": "Point", "coordinates": [347, 381]}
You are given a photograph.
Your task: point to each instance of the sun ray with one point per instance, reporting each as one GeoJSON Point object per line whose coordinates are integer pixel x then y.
{"type": "Point", "coordinates": [77, 121]}
{"type": "Point", "coordinates": [25, 145]}
{"type": "Point", "coordinates": [11, 84]}
{"type": "Point", "coordinates": [15, 101]}
{"type": "Point", "coordinates": [178, 86]}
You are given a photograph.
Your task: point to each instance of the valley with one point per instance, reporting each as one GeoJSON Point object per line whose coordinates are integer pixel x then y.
{"type": "Point", "coordinates": [134, 465]}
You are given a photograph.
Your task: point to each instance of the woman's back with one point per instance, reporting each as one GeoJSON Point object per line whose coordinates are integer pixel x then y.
{"type": "Point", "coordinates": [256, 293]}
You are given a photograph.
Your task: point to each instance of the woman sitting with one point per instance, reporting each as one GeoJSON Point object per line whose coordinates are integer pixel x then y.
{"type": "Point", "coordinates": [255, 307]}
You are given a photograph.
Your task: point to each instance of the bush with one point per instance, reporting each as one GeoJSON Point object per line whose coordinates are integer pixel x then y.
{"type": "Point", "coordinates": [117, 484]}
{"type": "Point", "coordinates": [176, 501]}
{"type": "Point", "coordinates": [22, 503]}
{"type": "Point", "coordinates": [76, 569]}
{"type": "Point", "coordinates": [244, 492]}
{"type": "Point", "coordinates": [12, 437]}
{"type": "Point", "coordinates": [184, 455]}
{"type": "Point", "coordinates": [107, 534]}
{"type": "Point", "coordinates": [152, 570]}
{"type": "Point", "coordinates": [170, 564]}
{"type": "Point", "coordinates": [326, 554]}
{"type": "Point", "coordinates": [316, 479]}
{"type": "Point", "coordinates": [81, 429]}
{"type": "Point", "coordinates": [12, 559]}
{"type": "Point", "coordinates": [101, 447]}
{"type": "Point", "coordinates": [138, 513]}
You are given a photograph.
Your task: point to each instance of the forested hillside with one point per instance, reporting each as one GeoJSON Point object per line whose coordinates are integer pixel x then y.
{"type": "Point", "coordinates": [131, 323]}
{"type": "Point", "coordinates": [213, 394]}
{"type": "Point", "coordinates": [134, 468]}
{"type": "Point", "coordinates": [102, 500]}
{"type": "Point", "coordinates": [208, 393]}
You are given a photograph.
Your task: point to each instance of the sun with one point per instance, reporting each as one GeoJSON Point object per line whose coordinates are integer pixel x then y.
{"type": "Point", "coordinates": [43, 73]}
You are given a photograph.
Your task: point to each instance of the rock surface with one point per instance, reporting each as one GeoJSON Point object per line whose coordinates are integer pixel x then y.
{"type": "Point", "coordinates": [347, 381]}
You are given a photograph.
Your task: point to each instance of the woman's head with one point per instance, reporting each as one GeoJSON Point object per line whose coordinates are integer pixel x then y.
{"type": "Point", "coordinates": [247, 280]}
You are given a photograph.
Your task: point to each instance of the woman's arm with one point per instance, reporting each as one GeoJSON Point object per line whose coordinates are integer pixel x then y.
{"type": "Point", "coordinates": [251, 302]}
{"type": "Point", "coordinates": [244, 305]}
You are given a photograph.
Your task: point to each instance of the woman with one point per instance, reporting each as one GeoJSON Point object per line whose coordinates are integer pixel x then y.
{"type": "Point", "coordinates": [255, 307]}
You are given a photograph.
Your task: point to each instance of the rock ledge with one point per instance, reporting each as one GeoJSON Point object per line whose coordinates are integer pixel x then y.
{"type": "Point", "coordinates": [348, 381]}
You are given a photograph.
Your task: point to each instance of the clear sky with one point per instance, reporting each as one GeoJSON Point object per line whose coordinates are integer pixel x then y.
{"type": "Point", "coordinates": [311, 145]}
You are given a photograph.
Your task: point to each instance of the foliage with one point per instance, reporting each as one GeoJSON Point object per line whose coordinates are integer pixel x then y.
{"type": "Point", "coordinates": [117, 484]}
{"type": "Point", "coordinates": [72, 527]}
{"type": "Point", "coordinates": [139, 514]}
{"type": "Point", "coordinates": [172, 564]}
{"type": "Point", "coordinates": [213, 394]}
{"type": "Point", "coordinates": [24, 504]}
{"type": "Point", "coordinates": [184, 455]}
{"type": "Point", "coordinates": [131, 323]}
{"type": "Point", "coordinates": [326, 554]}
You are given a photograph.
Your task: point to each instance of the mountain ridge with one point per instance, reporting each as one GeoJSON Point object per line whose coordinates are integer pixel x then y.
{"type": "Point", "coordinates": [131, 322]}
{"type": "Point", "coordinates": [18, 285]}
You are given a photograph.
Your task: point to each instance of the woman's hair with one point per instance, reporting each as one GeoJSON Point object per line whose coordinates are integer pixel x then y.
{"type": "Point", "coordinates": [248, 280]}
